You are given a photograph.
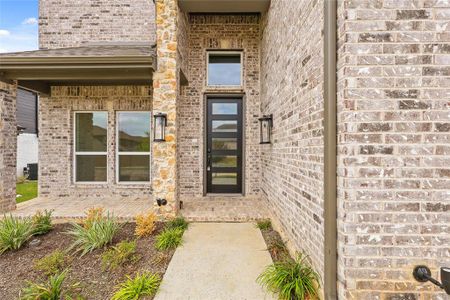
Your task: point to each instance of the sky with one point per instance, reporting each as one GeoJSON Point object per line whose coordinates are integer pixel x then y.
{"type": "Point", "coordinates": [18, 25]}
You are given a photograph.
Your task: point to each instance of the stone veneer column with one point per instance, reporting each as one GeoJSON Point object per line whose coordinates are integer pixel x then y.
{"type": "Point", "coordinates": [165, 101]}
{"type": "Point", "coordinates": [8, 146]}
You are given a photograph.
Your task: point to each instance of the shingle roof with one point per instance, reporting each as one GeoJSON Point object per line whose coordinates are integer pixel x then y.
{"type": "Point", "coordinates": [100, 50]}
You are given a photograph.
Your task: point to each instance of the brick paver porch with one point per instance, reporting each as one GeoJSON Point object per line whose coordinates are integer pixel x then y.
{"type": "Point", "coordinates": [65, 209]}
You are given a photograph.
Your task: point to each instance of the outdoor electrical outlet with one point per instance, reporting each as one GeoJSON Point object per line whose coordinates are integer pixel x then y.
{"type": "Point", "coordinates": [161, 201]}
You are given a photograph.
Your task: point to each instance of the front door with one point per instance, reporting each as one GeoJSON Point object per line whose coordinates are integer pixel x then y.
{"type": "Point", "coordinates": [224, 145]}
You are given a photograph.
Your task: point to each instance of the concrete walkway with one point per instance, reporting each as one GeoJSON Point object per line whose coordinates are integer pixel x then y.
{"type": "Point", "coordinates": [217, 261]}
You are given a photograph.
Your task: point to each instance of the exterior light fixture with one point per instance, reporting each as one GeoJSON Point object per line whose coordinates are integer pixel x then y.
{"type": "Point", "coordinates": [159, 128]}
{"type": "Point", "coordinates": [265, 126]}
{"type": "Point", "coordinates": [423, 274]}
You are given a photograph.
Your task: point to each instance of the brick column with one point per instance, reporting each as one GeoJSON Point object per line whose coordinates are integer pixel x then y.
{"type": "Point", "coordinates": [8, 146]}
{"type": "Point", "coordinates": [165, 101]}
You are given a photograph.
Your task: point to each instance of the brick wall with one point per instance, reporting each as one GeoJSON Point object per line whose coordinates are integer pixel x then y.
{"type": "Point", "coordinates": [213, 32]}
{"type": "Point", "coordinates": [292, 90]}
{"type": "Point", "coordinates": [8, 146]}
{"type": "Point", "coordinates": [56, 137]}
{"type": "Point", "coordinates": [69, 23]}
{"type": "Point", "coordinates": [394, 155]}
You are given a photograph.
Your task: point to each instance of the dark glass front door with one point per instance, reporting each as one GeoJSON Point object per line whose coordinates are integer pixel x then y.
{"type": "Point", "coordinates": [224, 145]}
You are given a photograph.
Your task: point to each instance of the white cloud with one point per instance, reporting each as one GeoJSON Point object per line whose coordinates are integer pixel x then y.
{"type": "Point", "coordinates": [3, 50]}
{"type": "Point", "coordinates": [30, 21]}
{"type": "Point", "coordinates": [4, 32]}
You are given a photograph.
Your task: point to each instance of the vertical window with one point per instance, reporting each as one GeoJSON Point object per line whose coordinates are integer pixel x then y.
{"type": "Point", "coordinates": [133, 146]}
{"type": "Point", "coordinates": [91, 134]}
{"type": "Point", "coordinates": [224, 69]}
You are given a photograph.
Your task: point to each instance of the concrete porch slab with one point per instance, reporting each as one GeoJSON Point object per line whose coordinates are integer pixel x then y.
{"type": "Point", "coordinates": [217, 261]}
{"type": "Point", "coordinates": [68, 209]}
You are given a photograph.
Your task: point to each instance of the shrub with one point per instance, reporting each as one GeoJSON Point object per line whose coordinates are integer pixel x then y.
{"type": "Point", "coordinates": [14, 232]}
{"type": "Point", "coordinates": [92, 215]}
{"type": "Point", "coordinates": [42, 222]}
{"type": "Point", "coordinates": [291, 279]}
{"type": "Point", "coordinates": [145, 224]}
{"type": "Point", "coordinates": [170, 238]}
{"type": "Point", "coordinates": [264, 224]}
{"type": "Point", "coordinates": [178, 222]}
{"type": "Point", "coordinates": [145, 284]}
{"type": "Point", "coordinates": [119, 255]}
{"type": "Point", "coordinates": [97, 235]}
{"type": "Point", "coordinates": [52, 263]}
{"type": "Point", "coordinates": [21, 179]}
{"type": "Point", "coordinates": [50, 290]}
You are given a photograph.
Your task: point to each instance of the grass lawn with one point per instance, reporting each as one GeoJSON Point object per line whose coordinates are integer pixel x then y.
{"type": "Point", "coordinates": [28, 190]}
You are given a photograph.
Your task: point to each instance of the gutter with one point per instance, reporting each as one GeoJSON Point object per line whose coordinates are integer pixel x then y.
{"type": "Point", "coordinates": [330, 153]}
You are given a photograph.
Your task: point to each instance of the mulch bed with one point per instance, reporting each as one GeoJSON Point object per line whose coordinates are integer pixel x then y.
{"type": "Point", "coordinates": [16, 267]}
{"type": "Point", "coordinates": [275, 244]}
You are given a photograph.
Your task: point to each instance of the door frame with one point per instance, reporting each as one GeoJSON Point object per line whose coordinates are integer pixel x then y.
{"type": "Point", "coordinates": [205, 138]}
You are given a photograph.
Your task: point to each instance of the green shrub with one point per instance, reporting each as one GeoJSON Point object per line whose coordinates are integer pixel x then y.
{"type": "Point", "coordinates": [14, 232]}
{"type": "Point", "coordinates": [50, 290]}
{"type": "Point", "coordinates": [264, 224]}
{"type": "Point", "coordinates": [42, 222]}
{"type": "Point", "coordinates": [119, 255]}
{"type": "Point", "coordinates": [169, 239]}
{"type": "Point", "coordinates": [99, 234]}
{"type": "Point", "coordinates": [178, 222]}
{"type": "Point", "coordinates": [291, 279]}
{"type": "Point", "coordinates": [52, 263]}
{"type": "Point", "coordinates": [145, 284]}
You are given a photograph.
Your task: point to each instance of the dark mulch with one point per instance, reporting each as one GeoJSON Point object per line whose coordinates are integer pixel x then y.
{"type": "Point", "coordinates": [275, 245]}
{"type": "Point", "coordinates": [17, 267]}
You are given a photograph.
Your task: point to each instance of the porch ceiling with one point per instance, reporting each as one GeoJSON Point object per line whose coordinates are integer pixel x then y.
{"type": "Point", "coordinates": [90, 64]}
{"type": "Point", "coordinates": [224, 6]}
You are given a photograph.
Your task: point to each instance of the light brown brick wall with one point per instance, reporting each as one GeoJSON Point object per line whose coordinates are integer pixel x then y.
{"type": "Point", "coordinates": [292, 90]}
{"type": "Point", "coordinates": [394, 154]}
{"type": "Point", "coordinates": [70, 23]}
{"type": "Point", "coordinates": [213, 32]}
{"type": "Point", "coordinates": [8, 146]}
{"type": "Point", "coordinates": [56, 138]}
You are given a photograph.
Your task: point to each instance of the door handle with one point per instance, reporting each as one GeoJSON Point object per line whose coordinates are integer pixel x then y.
{"type": "Point", "coordinates": [208, 168]}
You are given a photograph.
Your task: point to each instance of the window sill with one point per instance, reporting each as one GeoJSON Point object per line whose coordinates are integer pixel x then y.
{"type": "Point", "coordinates": [222, 89]}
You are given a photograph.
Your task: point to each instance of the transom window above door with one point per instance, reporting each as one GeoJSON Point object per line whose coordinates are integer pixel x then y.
{"type": "Point", "coordinates": [133, 147]}
{"type": "Point", "coordinates": [224, 68]}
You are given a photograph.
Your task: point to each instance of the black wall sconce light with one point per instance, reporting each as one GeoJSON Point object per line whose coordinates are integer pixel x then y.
{"type": "Point", "coordinates": [159, 128]}
{"type": "Point", "coordinates": [265, 127]}
{"type": "Point", "coordinates": [423, 274]}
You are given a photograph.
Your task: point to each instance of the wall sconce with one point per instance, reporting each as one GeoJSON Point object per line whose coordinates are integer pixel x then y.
{"type": "Point", "coordinates": [423, 274]}
{"type": "Point", "coordinates": [265, 126]}
{"type": "Point", "coordinates": [159, 128]}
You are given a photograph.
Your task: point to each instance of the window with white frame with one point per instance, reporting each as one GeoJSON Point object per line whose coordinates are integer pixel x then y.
{"type": "Point", "coordinates": [224, 68]}
{"type": "Point", "coordinates": [133, 147]}
{"type": "Point", "coordinates": [91, 135]}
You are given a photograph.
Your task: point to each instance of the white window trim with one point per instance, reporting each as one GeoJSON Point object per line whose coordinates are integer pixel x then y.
{"type": "Point", "coordinates": [75, 153]}
{"type": "Point", "coordinates": [240, 53]}
{"type": "Point", "coordinates": [149, 153]}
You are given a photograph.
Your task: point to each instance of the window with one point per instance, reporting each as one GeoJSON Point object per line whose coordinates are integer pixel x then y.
{"type": "Point", "coordinates": [224, 69]}
{"type": "Point", "coordinates": [91, 135]}
{"type": "Point", "coordinates": [133, 147]}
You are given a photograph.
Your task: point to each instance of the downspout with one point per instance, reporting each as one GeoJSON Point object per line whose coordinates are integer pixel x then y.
{"type": "Point", "coordinates": [330, 145]}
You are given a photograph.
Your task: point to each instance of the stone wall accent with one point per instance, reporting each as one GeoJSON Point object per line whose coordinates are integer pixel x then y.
{"type": "Point", "coordinates": [393, 152]}
{"type": "Point", "coordinates": [8, 146]}
{"type": "Point", "coordinates": [165, 87]}
{"type": "Point", "coordinates": [69, 23]}
{"type": "Point", "coordinates": [56, 138]}
{"type": "Point", "coordinates": [218, 32]}
{"type": "Point", "coordinates": [292, 90]}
